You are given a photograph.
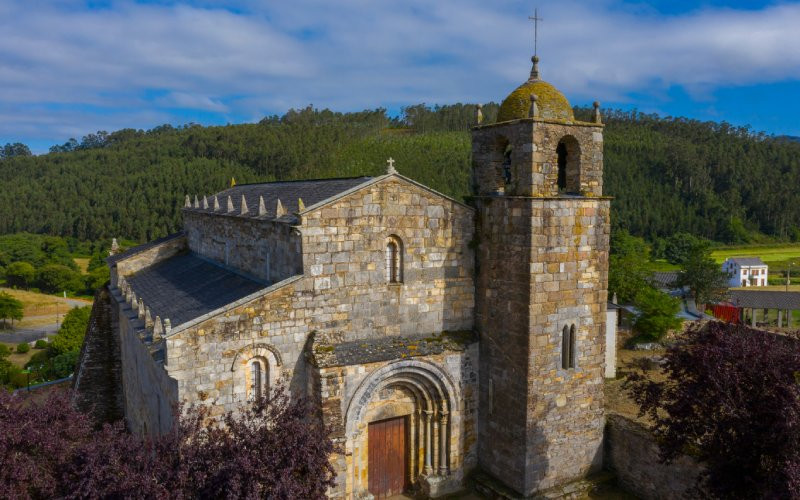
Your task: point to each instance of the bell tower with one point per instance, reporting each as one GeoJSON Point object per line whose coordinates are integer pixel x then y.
{"type": "Point", "coordinates": [543, 241]}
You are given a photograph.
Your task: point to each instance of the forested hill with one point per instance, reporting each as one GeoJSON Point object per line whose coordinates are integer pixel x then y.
{"type": "Point", "coordinates": [667, 174]}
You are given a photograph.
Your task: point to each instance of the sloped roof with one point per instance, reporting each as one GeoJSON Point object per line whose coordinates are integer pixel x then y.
{"type": "Point", "coordinates": [289, 192]}
{"type": "Point", "coordinates": [765, 299]}
{"type": "Point", "coordinates": [748, 261]}
{"type": "Point", "coordinates": [186, 287]}
{"type": "Point", "coordinates": [664, 280]}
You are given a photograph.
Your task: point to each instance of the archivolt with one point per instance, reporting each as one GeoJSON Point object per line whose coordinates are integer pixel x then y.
{"type": "Point", "coordinates": [266, 351]}
{"type": "Point", "coordinates": [430, 385]}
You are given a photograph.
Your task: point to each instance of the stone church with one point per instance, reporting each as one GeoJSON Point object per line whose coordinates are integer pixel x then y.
{"type": "Point", "coordinates": [438, 337]}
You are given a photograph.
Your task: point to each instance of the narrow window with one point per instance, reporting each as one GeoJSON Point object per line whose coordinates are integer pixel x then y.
{"type": "Point", "coordinates": [572, 339]}
{"type": "Point", "coordinates": [255, 375]}
{"type": "Point", "coordinates": [565, 345]}
{"type": "Point", "coordinates": [394, 260]}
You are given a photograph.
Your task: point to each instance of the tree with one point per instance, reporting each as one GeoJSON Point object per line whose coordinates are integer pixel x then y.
{"type": "Point", "coordinates": [704, 277]}
{"type": "Point", "coordinates": [14, 150]}
{"type": "Point", "coordinates": [628, 265]}
{"type": "Point", "coordinates": [275, 448]}
{"type": "Point", "coordinates": [731, 397]}
{"type": "Point", "coordinates": [55, 278]}
{"type": "Point", "coordinates": [657, 313]}
{"type": "Point", "coordinates": [72, 331]}
{"type": "Point", "coordinates": [20, 274]}
{"type": "Point", "coordinates": [680, 246]}
{"type": "Point", "coordinates": [10, 308]}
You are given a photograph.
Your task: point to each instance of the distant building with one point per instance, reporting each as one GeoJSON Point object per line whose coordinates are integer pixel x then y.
{"type": "Point", "coordinates": [746, 271]}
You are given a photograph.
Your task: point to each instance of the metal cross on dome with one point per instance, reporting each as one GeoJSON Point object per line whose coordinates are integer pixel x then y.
{"type": "Point", "coordinates": [535, 18]}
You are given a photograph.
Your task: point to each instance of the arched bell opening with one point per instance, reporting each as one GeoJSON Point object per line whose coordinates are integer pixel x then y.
{"type": "Point", "coordinates": [569, 165]}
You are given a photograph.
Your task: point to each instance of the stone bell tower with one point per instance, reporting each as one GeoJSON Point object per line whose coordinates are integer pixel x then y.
{"type": "Point", "coordinates": [543, 240]}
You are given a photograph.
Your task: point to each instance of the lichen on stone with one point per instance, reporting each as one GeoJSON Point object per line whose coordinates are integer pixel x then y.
{"type": "Point", "coordinates": [551, 103]}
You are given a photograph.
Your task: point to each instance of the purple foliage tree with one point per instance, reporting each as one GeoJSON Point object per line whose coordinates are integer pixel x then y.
{"type": "Point", "coordinates": [276, 448]}
{"type": "Point", "coordinates": [732, 399]}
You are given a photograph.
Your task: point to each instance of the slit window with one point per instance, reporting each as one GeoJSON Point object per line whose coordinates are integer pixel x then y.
{"type": "Point", "coordinates": [568, 339]}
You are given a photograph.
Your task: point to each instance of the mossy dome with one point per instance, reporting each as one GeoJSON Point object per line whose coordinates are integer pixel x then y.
{"type": "Point", "coordinates": [551, 103]}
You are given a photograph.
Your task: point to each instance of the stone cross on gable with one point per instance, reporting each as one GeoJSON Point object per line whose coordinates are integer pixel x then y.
{"type": "Point", "coordinates": [390, 169]}
{"type": "Point", "coordinates": [535, 18]}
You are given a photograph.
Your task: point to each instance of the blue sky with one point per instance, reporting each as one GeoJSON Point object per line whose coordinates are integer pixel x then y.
{"type": "Point", "coordinates": [69, 67]}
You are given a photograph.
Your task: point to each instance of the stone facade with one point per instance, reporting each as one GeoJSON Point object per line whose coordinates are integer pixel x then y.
{"type": "Point", "coordinates": [542, 272]}
{"type": "Point", "coordinates": [478, 328]}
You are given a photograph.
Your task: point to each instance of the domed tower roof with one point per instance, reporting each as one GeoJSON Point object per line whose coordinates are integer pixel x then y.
{"type": "Point", "coordinates": [550, 101]}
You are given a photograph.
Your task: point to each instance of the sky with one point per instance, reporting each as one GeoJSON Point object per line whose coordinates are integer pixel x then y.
{"type": "Point", "coordinates": [69, 67]}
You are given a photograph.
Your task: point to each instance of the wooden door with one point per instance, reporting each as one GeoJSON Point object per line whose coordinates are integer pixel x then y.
{"type": "Point", "coordinates": [387, 457]}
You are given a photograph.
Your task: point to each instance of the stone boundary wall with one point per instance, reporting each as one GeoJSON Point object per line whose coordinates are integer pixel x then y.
{"type": "Point", "coordinates": [97, 385]}
{"type": "Point", "coordinates": [632, 453]}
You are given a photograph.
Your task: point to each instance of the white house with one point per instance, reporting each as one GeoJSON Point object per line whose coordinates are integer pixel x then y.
{"type": "Point", "coordinates": [746, 271]}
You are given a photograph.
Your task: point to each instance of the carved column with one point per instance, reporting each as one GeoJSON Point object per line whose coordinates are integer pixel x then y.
{"type": "Point", "coordinates": [428, 444]}
{"type": "Point", "coordinates": [443, 444]}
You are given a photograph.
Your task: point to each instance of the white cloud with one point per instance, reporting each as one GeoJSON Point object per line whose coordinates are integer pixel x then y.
{"type": "Point", "coordinates": [354, 54]}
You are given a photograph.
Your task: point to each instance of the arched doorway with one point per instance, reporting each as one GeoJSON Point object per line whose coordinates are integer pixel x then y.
{"type": "Point", "coordinates": [400, 424]}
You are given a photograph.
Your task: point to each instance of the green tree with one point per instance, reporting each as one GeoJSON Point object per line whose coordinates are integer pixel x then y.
{"type": "Point", "coordinates": [55, 278]}
{"type": "Point", "coordinates": [20, 274]}
{"type": "Point", "coordinates": [97, 277]}
{"type": "Point", "coordinates": [704, 277]}
{"type": "Point", "coordinates": [70, 334]}
{"type": "Point", "coordinates": [10, 308]}
{"type": "Point", "coordinates": [14, 150]}
{"type": "Point", "coordinates": [628, 265]}
{"type": "Point", "coordinates": [680, 246]}
{"type": "Point", "coordinates": [657, 313]}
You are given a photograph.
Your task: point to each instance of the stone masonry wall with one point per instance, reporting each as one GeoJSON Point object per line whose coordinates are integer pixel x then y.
{"type": "Point", "coordinates": [266, 249]}
{"type": "Point", "coordinates": [543, 264]}
{"type": "Point", "coordinates": [148, 392]}
{"type": "Point", "coordinates": [632, 453]}
{"type": "Point", "coordinates": [344, 251]}
{"type": "Point", "coordinates": [343, 290]}
{"type": "Point", "coordinates": [534, 160]}
{"type": "Point", "coordinates": [147, 258]}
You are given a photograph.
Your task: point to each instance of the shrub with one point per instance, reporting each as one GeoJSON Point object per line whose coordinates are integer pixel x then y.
{"type": "Point", "coordinates": [275, 448]}
{"type": "Point", "coordinates": [41, 344]}
{"type": "Point", "coordinates": [657, 314]}
{"type": "Point", "coordinates": [70, 334]}
{"type": "Point", "coordinates": [731, 395]}
{"type": "Point", "coordinates": [23, 347]}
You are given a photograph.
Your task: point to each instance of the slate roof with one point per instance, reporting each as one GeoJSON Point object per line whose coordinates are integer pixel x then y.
{"type": "Point", "coordinates": [748, 261]}
{"type": "Point", "coordinates": [664, 280]}
{"type": "Point", "coordinates": [113, 259]}
{"type": "Point", "coordinates": [186, 286]}
{"type": "Point", "coordinates": [311, 191]}
{"type": "Point", "coordinates": [765, 299]}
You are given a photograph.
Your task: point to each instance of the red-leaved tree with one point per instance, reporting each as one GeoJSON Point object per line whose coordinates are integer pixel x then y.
{"type": "Point", "coordinates": [732, 399]}
{"type": "Point", "coordinates": [276, 448]}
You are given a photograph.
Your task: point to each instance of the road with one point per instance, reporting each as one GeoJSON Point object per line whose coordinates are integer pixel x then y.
{"type": "Point", "coordinates": [15, 336]}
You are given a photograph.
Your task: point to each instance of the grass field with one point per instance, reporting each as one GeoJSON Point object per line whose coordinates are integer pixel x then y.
{"type": "Point", "coordinates": [778, 257]}
{"type": "Point", "coordinates": [768, 253]}
{"type": "Point", "coordinates": [82, 263]}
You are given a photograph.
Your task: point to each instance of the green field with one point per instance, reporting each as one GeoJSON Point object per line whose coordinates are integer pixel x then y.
{"type": "Point", "coordinates": [778, 257]}
{"type": "Point", "coordinates": [768, 253]}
